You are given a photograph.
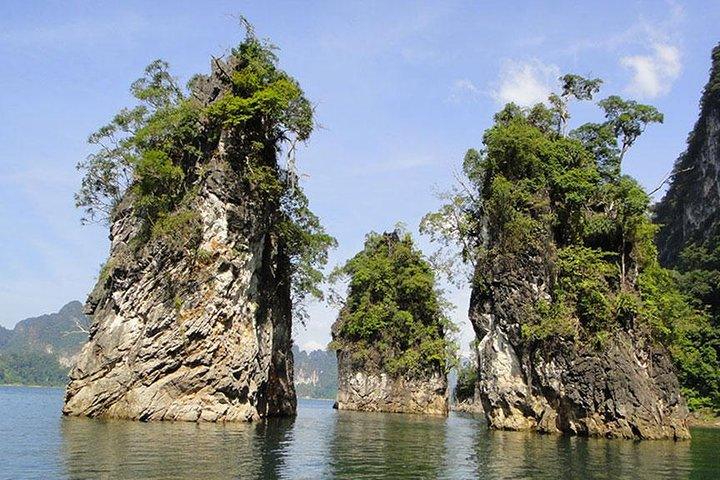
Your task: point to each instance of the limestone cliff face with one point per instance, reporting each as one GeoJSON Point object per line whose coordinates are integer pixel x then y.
{"type": "Point", "coordinates": [689, 211]}
{"type": "Point", "coordinates": [192, 335]}
{"type": "Point", "coordinates": [376, 391]}
{"type": "Point", "coordinates": [626, 389]}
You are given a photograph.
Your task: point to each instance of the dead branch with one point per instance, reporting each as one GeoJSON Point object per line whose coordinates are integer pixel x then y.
{"type": "Point", "coordinates": [668, 177]}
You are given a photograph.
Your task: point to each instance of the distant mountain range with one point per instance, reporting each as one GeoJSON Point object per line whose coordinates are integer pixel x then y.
{"type": "Point", "coordinates": [315, 373]}
{"type": "Point", "coordinates": [41, 350]}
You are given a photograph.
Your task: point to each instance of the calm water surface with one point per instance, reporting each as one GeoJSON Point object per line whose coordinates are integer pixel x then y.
{"type": "Point", "coordinates": [35, 442]}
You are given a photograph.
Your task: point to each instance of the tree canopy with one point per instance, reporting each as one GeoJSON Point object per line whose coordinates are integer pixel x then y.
{"type": "Point", "coordinates": [394, 315]}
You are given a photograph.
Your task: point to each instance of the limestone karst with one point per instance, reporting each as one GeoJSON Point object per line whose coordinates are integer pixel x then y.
{"type": "Point", "coordinates": [689, 242]}
{"type": "Point", "coordinates": [572, 312]}
{"type": "Point", "coordinates": [390, 333]}
{"type": "Point", "coordinates": [211, 242]}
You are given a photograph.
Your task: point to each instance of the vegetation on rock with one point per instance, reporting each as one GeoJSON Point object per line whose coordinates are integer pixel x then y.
{"type": "Point", "coordinates": [157, 153]}
{"type": "Point", "coordinates": [39, 351]}
{"type": "Point", "coordinates": [467, 375]}
{"type": "Point", "coordinates": [534, 192]}
{"type": "Point", "coordinates": [31, 368]}
{"type": "Point", "coordinates": [393, 319]}
{"type": "Point", "coordinates": [689, 242]}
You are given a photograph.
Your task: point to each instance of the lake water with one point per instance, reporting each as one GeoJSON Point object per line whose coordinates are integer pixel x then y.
{"type": "Point", "coordinates": [36, 442]}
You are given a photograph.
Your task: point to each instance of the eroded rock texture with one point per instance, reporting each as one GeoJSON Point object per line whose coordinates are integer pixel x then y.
{"type": "Point", "coordinates": [376, 391]}
{"type": "Point", "coordinates": [627, 388]}
{"type": "Point", "coordinates": [192, 335]}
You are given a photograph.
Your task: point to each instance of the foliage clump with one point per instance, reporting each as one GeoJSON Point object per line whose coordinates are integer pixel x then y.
{"type": "Point", "coordinates": [466, 381]}
{"type": "Point", "coordinates": [157, 153]}
{"type": "Point", "coordinates": [698, 342]}
{"type": "Point", "coordinates": [534, 191]}
{"type": "Point", "coordinates": [694, 253]}
{"type": "Point", "coordinates": [394, 316]}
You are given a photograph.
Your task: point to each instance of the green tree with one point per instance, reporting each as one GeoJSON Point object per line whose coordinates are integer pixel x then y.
{"type": "Point", "coordinates": [394, 315]}
{"type": "Point", "coordinates": [573, 86]}
{"type": "Point", "coordinates": [628, 120]}
{"type": "Point", "coordinates": [466, 381]}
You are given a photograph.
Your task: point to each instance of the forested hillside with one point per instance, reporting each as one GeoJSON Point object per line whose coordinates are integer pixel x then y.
{"type": "Point", "coordinates": [41, 350]}
{"type": "Point", "coordinates": [689, 241]}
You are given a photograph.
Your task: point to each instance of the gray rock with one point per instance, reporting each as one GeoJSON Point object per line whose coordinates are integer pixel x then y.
{"type": "Point", "coordinates": [690, 210]}
{"type": "Point", "coordinates": [372, 390]}
{"type": "Point", "coordinates": [628, 389]}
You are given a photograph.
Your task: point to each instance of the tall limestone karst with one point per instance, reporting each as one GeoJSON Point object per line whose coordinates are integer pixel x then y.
{"type": "Point", "coordinates": [689, 241]}
{"type": "Point", "coordinates": [211, 242]}
{"type": "Point", "coordinates": [690, 210]}
{"type": "Point", "coordinates": [390, 334]}
{"type": "Point", "coordinates": [567, 294]}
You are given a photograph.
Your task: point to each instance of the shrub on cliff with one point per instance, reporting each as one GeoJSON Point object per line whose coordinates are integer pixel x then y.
{"type": "Point", "coordinates": [534, 192]}
{"type": "Point", "coordinates": [393, 318]}
{"type": "Point", "coordinates": [156, 154]}
{"type": "Point", "coordinates": [466, 380]}
{"type": "Point", "coordinates": [698, 274]}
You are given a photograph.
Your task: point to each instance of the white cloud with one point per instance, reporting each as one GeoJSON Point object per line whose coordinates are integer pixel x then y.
{"type": "Point", "coordinates": [463, 89]}
{"type": "Point", "coordinates": [654, 73]}
{"type": "Point", "coordinates": [525, 83]}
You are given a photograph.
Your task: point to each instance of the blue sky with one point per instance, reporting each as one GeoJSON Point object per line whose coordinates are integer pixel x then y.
{"type": "Point", "coordinates": [402, 90]}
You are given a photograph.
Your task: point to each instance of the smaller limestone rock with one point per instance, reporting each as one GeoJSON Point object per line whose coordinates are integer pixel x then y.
{"type": "Point", "coordinates": [389, 336]}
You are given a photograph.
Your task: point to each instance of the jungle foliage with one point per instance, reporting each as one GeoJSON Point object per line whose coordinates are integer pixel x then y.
{"type": "Point", "coordinates": [694, 251]}
{"type": "Point", "coordinates": [467, 377]}
{"type": "Point", "coordinates": [534, 190]}
{"type": "Point", "coordinates": [156, 153]}
{"type": "Point", "coordinates": [394, 315]}
{"type": "Point", "coordinates": [698, 275]}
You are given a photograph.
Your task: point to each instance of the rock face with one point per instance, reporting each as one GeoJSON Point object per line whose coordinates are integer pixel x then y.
{"type": "Point", "coordinates": [201, 335]}
{"type": "Point", "coordinates": [376, 391]}
{"type": "Point", "coordinates": [690, 210]}
{"type": "Point", "coordinates": [626, 389]}
{"type": "Point", "coordinates": [471, 405]}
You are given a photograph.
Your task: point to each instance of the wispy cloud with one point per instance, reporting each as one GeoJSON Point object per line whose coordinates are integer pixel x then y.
{"type": "Point", "coordinates": [649, 48]}
{"type": "Point", "coordinates": [79, 31]}
{"type": "Point", "coordinates": [463, 90]}
{"type": "Point", "coordinates": [312, 346]}
{"type": "Point", "coordinates": [658, 66]}
{"type": "Point", "coordinates": [654, 73]}
{"type": "Point", "coordinates": [525, 82]}
{"type": "Point", "coordinates": [409, 40]}
{"type": "Point", "coordinates": [394, 165]}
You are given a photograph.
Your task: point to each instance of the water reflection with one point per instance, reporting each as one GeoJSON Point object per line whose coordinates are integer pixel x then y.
{"type": "Point", "coordinates": [109, 449]}
{"type": "Point", "coordinates": [528, 455]}
{"type": "Point", "coordinates": [323, 443]}
{"type": "Point", "coordinates": [386, 445]}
